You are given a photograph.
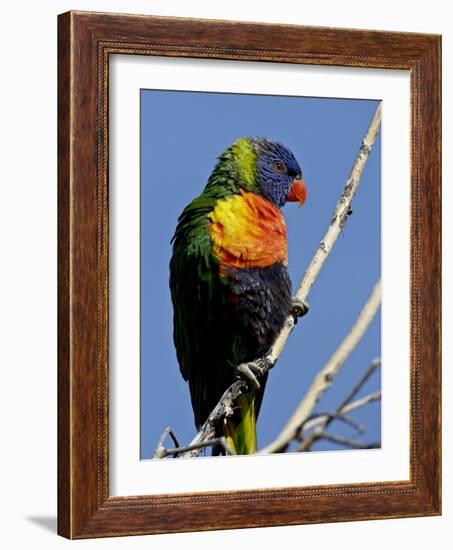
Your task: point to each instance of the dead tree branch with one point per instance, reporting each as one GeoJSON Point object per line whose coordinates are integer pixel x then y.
{"type": "Point", "coordinates": [342, 211]}
{"type": "Point", "coordinates": [162, 452]}
{"type": "Point", "coordinates": [358, 404]}
{"type": "Point", "coordinates": [352, 443]}
{"type": "Point", "coordinates": [375, 364]}
{"type": "Point", "coordinates": [163, 437]}
{"type": "Point", "coordinates": [320, 431]}
{"type": "Point", "coordinates": [326, 375]}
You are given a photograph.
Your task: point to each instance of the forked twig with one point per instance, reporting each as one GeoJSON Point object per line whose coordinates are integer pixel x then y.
{"type": "Point", "coordinates": [320, 431]}
{"type": "Point", "coordinates": [162, 452]}
{"type": "Point", "coordinates": [325, 377]}
{"type": "Point", "coordinates": [352, 443]}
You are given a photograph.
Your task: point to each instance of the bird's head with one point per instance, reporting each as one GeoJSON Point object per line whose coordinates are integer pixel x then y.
{"type": "Point", "coordinates": [270, 169]}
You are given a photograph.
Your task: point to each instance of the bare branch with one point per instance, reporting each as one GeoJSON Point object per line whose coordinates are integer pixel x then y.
{"type": "Point", "coordinates": [358, 404]}
{"type": "Point", "coordinates": [308, 441]}
{"type": "Point", "coordinates": [162, 452]}
{"type": "Point", "coordinates": [327, 374]}
{"type": "Point", "coordinates": [320, 418]}
{"type": "Point", "coordinates": [370, 398]}
{"type": "Point", "coordinates": [354, 444]}
{"type": "Point", "coordinates": [170, 432]}
{"type": "Point", "coordinates": [221, 411]}
{"type": "Point", "coordinates": [375, 364]}
{"type": "Point", "coordinates": [337, 223]}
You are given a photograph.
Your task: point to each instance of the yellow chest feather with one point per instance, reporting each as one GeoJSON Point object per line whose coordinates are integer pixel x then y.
{"type": "Point", "coordinates": [248, 231]}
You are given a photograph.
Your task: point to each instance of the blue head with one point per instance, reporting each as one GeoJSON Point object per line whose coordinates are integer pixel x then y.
{"type": "Point", "coordinates": [279, 174]}
{"type": "Point", "coordinates": [264, 167]}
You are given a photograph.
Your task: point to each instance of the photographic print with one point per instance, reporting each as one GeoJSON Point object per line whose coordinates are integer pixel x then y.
{"type": "Point", "coordinates": [243, 199]}
{"type": "Point", "coordinates": [228, 203]}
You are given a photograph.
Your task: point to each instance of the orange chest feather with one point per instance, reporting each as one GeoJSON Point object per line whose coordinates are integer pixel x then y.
{"type": "Point", "coordinates": [248, 231]}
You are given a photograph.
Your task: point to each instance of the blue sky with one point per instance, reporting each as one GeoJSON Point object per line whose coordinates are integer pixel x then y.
{"type": "Point", "coordinates": [182, 134]}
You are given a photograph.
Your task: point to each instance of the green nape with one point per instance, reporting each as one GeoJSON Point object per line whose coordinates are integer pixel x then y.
{"type": "Point", "coordinates": [235, 169]}
{"type": "Point", "coordinates": [245, 159]}
{"type": "Point", "coordinates": [241, 433]}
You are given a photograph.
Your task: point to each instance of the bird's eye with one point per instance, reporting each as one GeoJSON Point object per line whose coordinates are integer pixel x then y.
{"type": "Point", "coordinates": [279, 167]}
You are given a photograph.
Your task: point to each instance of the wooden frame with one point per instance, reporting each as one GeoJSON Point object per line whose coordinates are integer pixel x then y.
{"type": "Point", "coordinates": [85, 41]}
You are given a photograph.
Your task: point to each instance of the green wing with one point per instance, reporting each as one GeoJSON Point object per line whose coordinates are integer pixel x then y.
{"type": "Point", "coordinates": [193, 284]}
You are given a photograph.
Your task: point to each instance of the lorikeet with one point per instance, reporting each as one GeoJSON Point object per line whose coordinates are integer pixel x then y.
{"type": "Point", "coordinates": [229, 283]}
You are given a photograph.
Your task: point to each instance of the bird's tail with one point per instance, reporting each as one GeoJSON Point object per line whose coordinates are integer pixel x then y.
{"type": "Point", "coordinates": [240, 430]}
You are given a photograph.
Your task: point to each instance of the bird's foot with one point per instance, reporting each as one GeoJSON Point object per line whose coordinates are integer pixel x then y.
{"type": "Point", "coordinates": [299, 308]}
{"type": "Point", "coordinates": [249, 372]}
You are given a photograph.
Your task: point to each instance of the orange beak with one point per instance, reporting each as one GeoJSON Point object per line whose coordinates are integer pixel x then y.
{"type": "Point", "coordinates": [298, 192]}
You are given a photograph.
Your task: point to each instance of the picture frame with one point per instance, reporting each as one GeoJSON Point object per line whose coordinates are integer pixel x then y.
{"type": "Point", "coordinates": [86, 42]}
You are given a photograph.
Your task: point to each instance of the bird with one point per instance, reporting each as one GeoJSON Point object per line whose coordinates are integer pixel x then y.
{"type": "Point", "coordinates": [229, 282]}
